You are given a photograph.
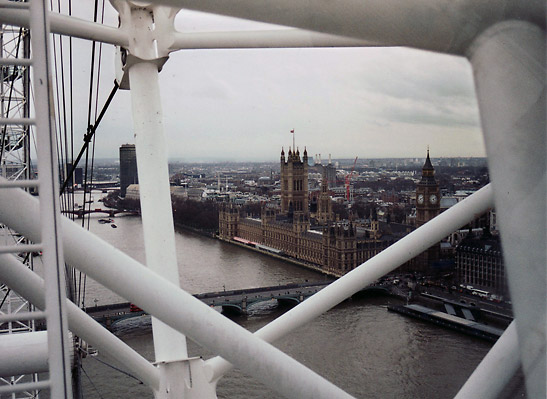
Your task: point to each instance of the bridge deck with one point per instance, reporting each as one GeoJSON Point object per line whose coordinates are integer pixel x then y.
{"type": "Point", "coordinates": [240, 299]}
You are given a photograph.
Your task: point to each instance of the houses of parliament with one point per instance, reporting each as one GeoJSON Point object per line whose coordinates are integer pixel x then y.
{"type": "Point", "coordinates": [318, 238]}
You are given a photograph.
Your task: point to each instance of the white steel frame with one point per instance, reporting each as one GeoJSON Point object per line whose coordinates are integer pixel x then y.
{"type": "Point", "coordinates": [14, 165]}
{"type": "Point", "coordinates": [505, 43]}
{"type": "Point", "coordinates": [49, 349]}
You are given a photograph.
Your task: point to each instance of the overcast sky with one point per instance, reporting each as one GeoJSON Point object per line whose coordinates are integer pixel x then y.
{"type": "Point", "coordinates": [240, 105]}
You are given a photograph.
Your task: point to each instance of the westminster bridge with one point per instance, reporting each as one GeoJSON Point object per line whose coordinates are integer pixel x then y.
{"type": "Point", "coordinates": [231, 301]}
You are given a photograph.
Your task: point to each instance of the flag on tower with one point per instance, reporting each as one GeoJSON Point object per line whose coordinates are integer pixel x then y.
{"type": "Point", "coordinates": [292, 131]}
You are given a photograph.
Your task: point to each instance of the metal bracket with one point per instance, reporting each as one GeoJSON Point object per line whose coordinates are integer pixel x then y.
{"type": "Point", "coordinates": [151, 32]}
{"type": "Point", "coordinates": [185, 379]}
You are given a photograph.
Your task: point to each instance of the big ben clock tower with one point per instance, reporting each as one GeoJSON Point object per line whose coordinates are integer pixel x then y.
{"type": "Point", "coordinates": [428, 206]}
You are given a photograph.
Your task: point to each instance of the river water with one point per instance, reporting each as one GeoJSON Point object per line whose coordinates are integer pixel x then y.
{"type": "Point", "coordinates": [359, 345]}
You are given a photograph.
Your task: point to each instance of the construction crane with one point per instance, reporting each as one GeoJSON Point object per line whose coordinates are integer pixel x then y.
{"type": "Point", "coordinates": [348, 177]}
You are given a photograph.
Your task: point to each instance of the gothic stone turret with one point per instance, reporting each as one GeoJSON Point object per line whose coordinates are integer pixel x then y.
{"type": "Point", "coordinates": [340, 248]}
{"type": "Point", "coordinates": [294, 183]}
{"type": "Point", "coordinates": [324, 205]}
{"type": "Point", "coordinates": [228, 221]}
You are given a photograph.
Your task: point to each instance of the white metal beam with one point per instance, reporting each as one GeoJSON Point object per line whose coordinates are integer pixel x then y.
{"type": "Point", "coordinates": [445, 26]}
{"type": "Point", "coordinates": [49, 220]}
{"type": "Point", "coordinates": [280, 38]}
{"type": "Point", "coordinates": [152, 166]}
{"type": "Point", "coordinates": [155, 197]}
{"type": "Point", "coordinates": [70, 26]}
{"type": "Point", "coordinates": [26, 283]}
{"type": "Point", "coordinates": [496, 369]}
{"type": "Point", "coordinates": [23, 353]}
{"type": "Point", "coordinates": [508, 63]}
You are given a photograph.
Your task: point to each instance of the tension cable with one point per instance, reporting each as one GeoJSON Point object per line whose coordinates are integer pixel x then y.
{"type": "Point", "coordinates": [89, 135]}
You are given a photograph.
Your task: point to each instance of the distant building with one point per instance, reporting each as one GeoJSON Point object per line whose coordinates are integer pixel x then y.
{"type": "Point", "coordinates": [132, 192]}
{"type": "Point", "coordinates": [428, 199]}
{"type": "Point", "coordinates": [128, 167]}
{"type": "Point", "coordinates": [479, 263]}
{"type": "Point", "coordinates": [324, 213]}
{"type": "Point", "coordinates": [294, 184]}
{"type": "Point", "coordinates": [486, 220]}
{"type": "Point", "coordinates": [327, 170]}
{"type": "Point", "coordinates": [330, 173]}
{"type": "Point", "coordinates": [77, 176]}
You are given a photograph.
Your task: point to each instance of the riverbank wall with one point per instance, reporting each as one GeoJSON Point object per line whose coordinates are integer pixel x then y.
{"type": "Point", "coordinates": [285, 258]}
{"type": "Point", "coordinates": [201, 232]}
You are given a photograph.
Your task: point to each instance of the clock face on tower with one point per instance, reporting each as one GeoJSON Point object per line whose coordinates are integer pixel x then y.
{"type": "Point", "coordinates": [433, 199]}
{"type": "Point", "coordinates": [420, 199]}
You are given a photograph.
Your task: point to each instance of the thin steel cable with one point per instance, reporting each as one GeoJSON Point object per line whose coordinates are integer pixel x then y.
{"type": "Point", "coordinates": [82, 292]}
{"type": "Point", "coordinates": [116, 368]}
{"type": "Point", "coordinates": [65, 135]}
{"type": "Point", "coordinates": [5, 297]}
{"type": "Point", "coordinates": [89, 108]}
{"type": "Point", "coordinates": [91, 382]}
{"type": "Point", "coordinates": [71, 108]}
{"type": "Point", "coordinates": [91, 131]}
{"type": "Point", "coordinates": [62, 141]}
{"type": "Point", "coordinates": [63, 85]}
{"type": "Point", "coordinates": [58, 141]}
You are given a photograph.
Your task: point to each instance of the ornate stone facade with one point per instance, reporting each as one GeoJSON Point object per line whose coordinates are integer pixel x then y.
{"type": "Point", "coordinates": [336, 247]}
{"type": "Point", "coordinates": [428, 200]}
{"type": "Point", "coordinates": [294, 183]}
{"type": "Point", "coordinates": [324, 213]}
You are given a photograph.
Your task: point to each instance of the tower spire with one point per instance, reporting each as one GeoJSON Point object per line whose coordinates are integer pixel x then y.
{"type": "Point", "coordinates": [293, 145]}
{"type": "Point", "coordinates": [427, 164]}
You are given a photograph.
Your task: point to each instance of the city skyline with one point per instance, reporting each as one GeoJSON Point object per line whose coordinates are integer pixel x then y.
{"type": "Point", "coordinates": [240, 105]}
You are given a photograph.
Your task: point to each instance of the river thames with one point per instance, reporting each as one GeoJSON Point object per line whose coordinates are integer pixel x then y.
{"type": "Point", "coordinates": [359, 346]}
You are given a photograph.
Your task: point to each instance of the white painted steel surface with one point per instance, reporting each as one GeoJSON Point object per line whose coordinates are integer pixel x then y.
{"type": "Point", "coordinates": [48, 219]}
{"type": "Point", "coordinates": [34, 315]}
{"type": "Point", "coordinates": [24, 387]}
{"type": "Point", "coordinates": [23, 353]}
{"type": "Point", "coordinates": [509, 67]}
{"type": "Point", "coordinates": [180, 310]}
{"type": "Point", "coordinates": [185, 379]}
{"type": "Point", "coordinates": [70, 26]}
{"type": "Point", "coordinates": [282, 38]}
{"type": "Point", "coordinates": [152, 168]}
{"type": "Point", "coordinates": [31, 286]}
{"type": "Point", "coordinates": [445, 26]}
{"type": "Point", "coordinates": [15, 165]}
{"type": "Point", "coordinates": [498, 367]}
{"type": "Point", "coordinates": [157, 218]}
{"type": "Point", "coordinates": [386, 261]}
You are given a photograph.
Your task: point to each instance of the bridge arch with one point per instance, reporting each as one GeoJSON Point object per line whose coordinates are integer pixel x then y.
{"type": "Point", "coordinates": [289, 300]}
{"type": "Point", "coordinates": [232, 308]}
